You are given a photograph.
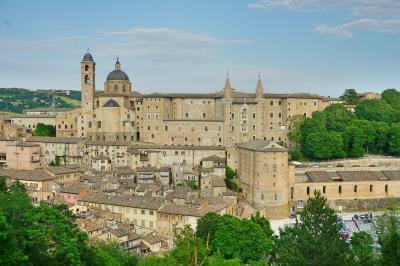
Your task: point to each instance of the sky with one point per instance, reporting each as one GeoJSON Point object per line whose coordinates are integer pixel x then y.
{"type": "Point", "coordinates": [315, 46]}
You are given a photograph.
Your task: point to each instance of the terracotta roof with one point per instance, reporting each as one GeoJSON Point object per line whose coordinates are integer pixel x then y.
{"type": "Point", "coordinates": [348, 176]}
{"type": "Point", "coordinates": [261, 145]}
{"type": "Point", "coordinates": [143, 202]}
{"type": "Point", "coordinates": [107, 143]}
{"type": "Point", "coordinates": [153, 239]}
{"type": "Point", "coordinates": [8, 138]}
{"type": "Point", "coordinates": [217, 181]}
{"type": "Point", "coordinates": [65, 169]}
{"type": "Point", "coordinates": [68, 140]}
{"type": "Point", "coordinates": [73, 188]}
{"type": "Point", "coordinates": [28, 175]}
{"type": "Point", "coordinates": [214, 158]}
{"type": "Point", "coordinates": [26, 144]}
{"type": "Point", "coordinates": [31, 116]}
{"type": "Point", "coordinates": [144, 146]}
{"type": "Point", "coordinates": [101, 157]}
{"type": "Point", "coordinates": [133, 94]}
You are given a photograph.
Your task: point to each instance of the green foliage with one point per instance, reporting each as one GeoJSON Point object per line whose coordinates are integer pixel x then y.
{"type": "Point", "coordinates": [192, 184]}
{"type": "Point", "coordinates": [56, 161]}
{"type": "Point", "coordinates": [392, 97]}
{"type": "Point", "coordinates": [3, 183]}
{"type": "Point", "coordinates": [190, 250]}
{"type": "Point", "coordinates": [47, 235]}
{"type": "Point", "coordinates": [324, 145]}
{"type": "Point", "coordinates": [229, 180]}
{"type": "Point", "coordinates": [294, 132]}
{"type": "Point", "coordinates": [45, 130]}
{"type": "Point", "coordinates": [296, 155]}
{"type": "Point", "coordinates": [394, 139]}
{"type": "Point", "coordinates": [230, 174]}
{"type": "Point", "coordinates": [376, 110]}
{"type": "Point", "coordinates": [109, 254]}
{"type": "Point", "coordinates": [315, 240]}
{"type": "Point", "coordinates": [350, 97]}
{"type": "Point", "coordinates": [231, 184]}
{"type": "Point", "coordinates": [263, 223]}
{"type": "Point", "coordinates": [361, 243]}
{"type": "Point", "coordinates": [17, 100]}
{"type": "Point", "coordinates": [389, 237]}
{"type": "Point", "coordinates": [371, 129]}
{"type": "Point", "coordinates": [232, 237]}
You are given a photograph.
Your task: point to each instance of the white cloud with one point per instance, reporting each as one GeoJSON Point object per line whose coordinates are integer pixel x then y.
{"type": "Point", "coordinates": [347, 29]}
{"type": "Point", "coordinates": [153, 44]}
{"type": "Point", "coordinates": [162, 44]}
{"type": "Point", "coordinates": [370, 15]}
{"type": "Point", "coordinates": [361, 8]}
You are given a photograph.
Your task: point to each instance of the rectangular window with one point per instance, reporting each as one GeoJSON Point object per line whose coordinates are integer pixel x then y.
{"type": "Point", "coordinates": [324, 189]}
{"type": "Point", "coordinates": [98, 124]}
{"type": "Point", "coordinates": [254, 115]}
{"type": "Point", "coordinates": [371, 188]}
{"type": "Point", "coordinates": [340, 189]}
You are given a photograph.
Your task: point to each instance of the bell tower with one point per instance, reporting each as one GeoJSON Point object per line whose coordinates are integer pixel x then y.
{"type": "Point", "coordinates": [87, 82]}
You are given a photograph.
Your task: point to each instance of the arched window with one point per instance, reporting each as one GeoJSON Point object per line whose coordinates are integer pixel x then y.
{"type": "Point", "coordinates": [87, 79]}
{"type": "Point", "coordinates": [124, 88]}
{"type": "Point", "coordinates": [115, 87]}
{"type": "Point", "coordinates": [86, 67]}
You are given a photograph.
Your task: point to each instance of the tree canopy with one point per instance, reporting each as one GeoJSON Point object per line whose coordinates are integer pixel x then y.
{"type": "Point", "coordinates": [314, 240]}
{"type": "Point", "coordinates": [45, 130]}
{"type": "Point", "coordinates": [350, 97]}
{"type": "Point", "coordinates": [336, 132]}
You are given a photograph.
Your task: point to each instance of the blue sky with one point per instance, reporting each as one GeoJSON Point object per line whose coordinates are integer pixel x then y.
{"type": "Point", "coordinates": [317, 46]}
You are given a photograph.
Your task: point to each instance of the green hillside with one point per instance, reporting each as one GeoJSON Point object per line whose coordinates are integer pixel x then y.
{"type": "Point", "coordinates": [16, 100]}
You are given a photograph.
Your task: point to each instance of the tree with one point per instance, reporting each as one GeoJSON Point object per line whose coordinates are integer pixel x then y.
{"type": "Point", "coordinates": [3, 183]}
{"type": "Point", "coordinates": [56, 161]}
{"type": "Point", "coordinates": [354, 141]}
{"type": "Point", "coordinates": [263, 223]}
{"type": "Point", "coordinates": [324, 145]}
{"type": "Point", "coordinates": [295, 132]}
{"type": "Point", "coordinates": [361, 243]}
{"type": "Point", "coordinates": [190, 249]}
{"type": "Point", "coordinates": [336, 117]}
{"type": "Point", "coordinates": [350, 97]}
{"type": "Point", "coordinates": [314, 240]}
{"type": "Point", "coordinates": [392, 97]}
{"type": "Point", "coordinates": [394, 139]}
{"type": "Point", "coordinates": [229, 173]}
{"type": "Point", "coordinates": [109, 254]}
{"type": "Point", "coordinates": [376, 110]}
{"type": "Point", "coordinates": [45, 130]}
{"type": "Point", "coordinates": [233, 237]}
{"type": "Point", "coordinates": [389, 237]}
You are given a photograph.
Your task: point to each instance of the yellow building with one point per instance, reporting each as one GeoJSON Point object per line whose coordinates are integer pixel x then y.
{"type": "Point", "coordinates": [138, 210]}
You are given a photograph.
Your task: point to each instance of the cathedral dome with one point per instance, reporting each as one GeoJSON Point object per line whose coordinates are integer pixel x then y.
{"type": "Point", "coordinates": [117, 75]}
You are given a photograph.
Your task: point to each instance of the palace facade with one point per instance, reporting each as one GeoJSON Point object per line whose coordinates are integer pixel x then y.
{"type": "Point", "coordinates": [222, 118]}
